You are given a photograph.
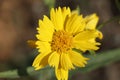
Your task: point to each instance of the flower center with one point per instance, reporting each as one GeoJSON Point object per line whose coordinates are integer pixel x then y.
{"type": "Point", "coordinates": [61, 41]}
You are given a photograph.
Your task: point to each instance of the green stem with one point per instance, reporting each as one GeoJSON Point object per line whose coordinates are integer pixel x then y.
{"type": "Point", "coordinates": [9, 74]}
{"type": "Point", "coordinates": [110, 20]}
{"type": "Point", "coordinates": [15, 73]}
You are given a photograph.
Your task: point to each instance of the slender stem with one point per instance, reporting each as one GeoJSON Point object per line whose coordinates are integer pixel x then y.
{"type": "Point", "coordinates": [110, 20]}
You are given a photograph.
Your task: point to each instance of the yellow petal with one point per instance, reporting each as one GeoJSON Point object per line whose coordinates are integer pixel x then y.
{"type": "Point", "coordinates": [77, 59]}
{"type": "Point", "coordinates": [74, 24]}
{"type": "Point", "coordinates": [43, 47]}
{"type": "Point", "coordinates": [45, 29]}
{"type": "Point", "coordinates": [75, 12]}
{"type": "Point", "coordinates": [91, 21]}
{"type": "Point", "coordinates": [94, 41]}
{"type": "Point", "coordinates": [100, 35]}
{"type": "Point", "coordinates": [86, 40]}
{"type": "Point", "coordinates": [61, 74]}
{"type": "Point", "coordinates": [66, 12]}
{"type": "Point", "coordinates": [86, 35]}
{"type": "Point", "coordinates": [41, 60]}
{"type": "Point", "coordinates": [54, 59]}
{"type": "Point", "coordinates": [85, 45]}
{"type": "Point", "coordinates": [57, 18]}
{"type": "Point", "coordinates": [66, 62]}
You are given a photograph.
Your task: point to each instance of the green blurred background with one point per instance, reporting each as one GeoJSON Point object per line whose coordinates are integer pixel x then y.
{"type": "Point", "coordinates": [18, 22]}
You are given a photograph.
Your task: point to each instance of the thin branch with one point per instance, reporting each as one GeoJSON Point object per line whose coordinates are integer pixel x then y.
{"type": "Point", "coordinates": [106, 22]}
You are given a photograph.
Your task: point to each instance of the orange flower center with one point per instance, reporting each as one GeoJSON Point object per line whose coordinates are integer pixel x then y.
{"type": "Point", "coordinates": [61, 41]}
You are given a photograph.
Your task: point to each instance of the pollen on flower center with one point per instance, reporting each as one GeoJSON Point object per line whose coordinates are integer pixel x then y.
{"type": "Point", "coordinates": [61, 41]}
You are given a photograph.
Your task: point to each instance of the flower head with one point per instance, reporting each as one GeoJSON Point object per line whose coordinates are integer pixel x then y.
{"type": "Point", "coordinates": [59, 35]}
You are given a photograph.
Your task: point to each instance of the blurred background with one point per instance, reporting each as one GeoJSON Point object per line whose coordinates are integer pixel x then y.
{"type": "Point", "coordinates": [18, 22]}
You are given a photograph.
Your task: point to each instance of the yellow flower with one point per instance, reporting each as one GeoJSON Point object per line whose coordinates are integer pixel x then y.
{"type": "Point", "coordinates": [60, 35]}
